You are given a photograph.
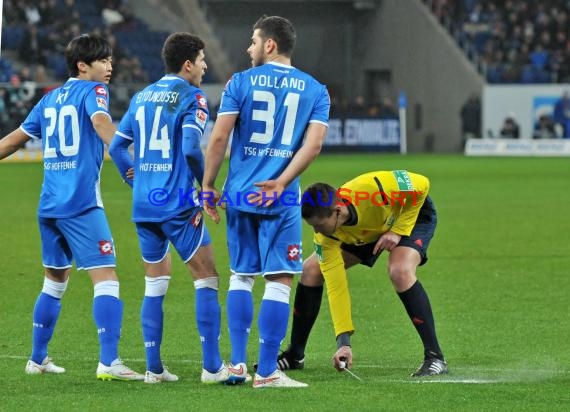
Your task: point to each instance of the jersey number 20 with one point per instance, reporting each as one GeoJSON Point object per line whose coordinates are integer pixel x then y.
{"type": "Point", "coordinates": [54, 118]}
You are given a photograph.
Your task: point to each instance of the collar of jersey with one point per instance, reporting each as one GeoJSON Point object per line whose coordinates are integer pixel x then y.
{"type": "Point", "coordinates": [280, 65]}
{"type": "Point", "coordinates": [171, 76]}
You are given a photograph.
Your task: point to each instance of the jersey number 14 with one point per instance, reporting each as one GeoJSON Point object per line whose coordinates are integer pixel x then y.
{"type": "Point", "coordinates": [156, 142]}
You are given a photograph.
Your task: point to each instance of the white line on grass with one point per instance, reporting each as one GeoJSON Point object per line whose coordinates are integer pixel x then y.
{"type": "Point", "coordinates": [505, 374]}
{"type": "Point", "coordinates": [447, 380]}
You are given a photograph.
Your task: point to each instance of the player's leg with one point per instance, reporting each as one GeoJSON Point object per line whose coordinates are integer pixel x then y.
{"type": "Point", "coordinates": [402, 264]}
{"type": "Point", "coordinates": [272, 320]}
{"type": "Point", "coordinates": [272, 324]}
{"type": "Point", "coordinates": [281, 257]}
{"type": "Point", "coordinates": [410, 253]}
{"type": "Point", "coordinates": [306, 306]}
{"type": "Point", "coordinates": [157, 264]}
{"type": "Point", "coordinates": [244, 265]}
{"type": "Point", "coordinates": [191, 239]}
{"type": "Point", "coordinates": [308, 297]}
{"type": "Point", "coordinates": [56, 257]}
{"type": "Point", "coordinates": [208, 312]}
{"type": "Point", "coordinates": [402, 269]}
{"type": "Point", "coordinates": [89, 238]}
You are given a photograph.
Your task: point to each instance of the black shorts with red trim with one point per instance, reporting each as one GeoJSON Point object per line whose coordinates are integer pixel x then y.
{"type": "Point", "coordinates": [419, 239]}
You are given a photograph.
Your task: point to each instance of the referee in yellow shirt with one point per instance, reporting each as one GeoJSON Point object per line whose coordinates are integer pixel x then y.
{"type": "Point", "coordinates": [376, 211]}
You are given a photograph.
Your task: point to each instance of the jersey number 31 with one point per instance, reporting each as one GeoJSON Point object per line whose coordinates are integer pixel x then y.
{"type": "Point", "coordinates": [267, 116]}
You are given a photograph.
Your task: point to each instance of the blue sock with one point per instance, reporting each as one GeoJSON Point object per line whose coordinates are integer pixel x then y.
{"type": "Point", "coordinates": [108, 314]}
{"type": "Point", "coordinates": [272, 324]}
{"type": "Point", "coordinates": [208, 319]}
{"type": "Point", "coordinates": [152, 316]}
{"type": "Point", "coordinates": [46, 312]}
{"type": "Point", "coordinates": [240, 315]}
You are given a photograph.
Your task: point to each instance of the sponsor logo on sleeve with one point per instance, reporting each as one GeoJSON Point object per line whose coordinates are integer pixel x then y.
{"type": "Point", "coordinates": [101, 102]}
{"type": "Point", "coordinates": [319, 252]}
{"type": "Point", "coordinates": [404, 180]}
{"type": "Point", "coordinates": [201, 118]}
{"type": "Point", "coordinates": [201, 101]}
{"type": "Point", "coordinates": [100, 90]}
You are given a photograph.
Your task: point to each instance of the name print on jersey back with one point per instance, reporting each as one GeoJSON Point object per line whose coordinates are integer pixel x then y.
{"type": "Point", "coordinates": [277, 82]}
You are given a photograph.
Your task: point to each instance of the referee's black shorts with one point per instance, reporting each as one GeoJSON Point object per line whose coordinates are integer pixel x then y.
{"type": "Point", "coordinates": [419, 238]}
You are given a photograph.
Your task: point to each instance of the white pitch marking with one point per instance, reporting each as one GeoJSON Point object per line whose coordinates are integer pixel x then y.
{"type": "Point", "coordinates": [452, 380]}
{"type": "Point", "coordinates": [437, 379]}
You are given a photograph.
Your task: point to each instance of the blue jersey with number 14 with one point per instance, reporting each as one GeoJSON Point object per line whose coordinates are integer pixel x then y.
{"type": "Point", "coordinates": [275, 104]}
{"type": "Point", "coordinates": [72, 150]}
{"type": "Point", "coordinates": [163, 186]}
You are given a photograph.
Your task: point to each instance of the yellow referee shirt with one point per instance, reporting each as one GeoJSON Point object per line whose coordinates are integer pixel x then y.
{"type": "Point", "coordinates": [383, 201]}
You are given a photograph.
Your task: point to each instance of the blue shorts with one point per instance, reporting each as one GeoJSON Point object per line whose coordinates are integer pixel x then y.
{"type": "Point", "coordinates": [264, 244]}
{"type": "Point", "coordinates": [419, 239]}
{"type": "Point", "coordinates": [85, 238]}
{"type": "Point", "coordinates": [186, 231]}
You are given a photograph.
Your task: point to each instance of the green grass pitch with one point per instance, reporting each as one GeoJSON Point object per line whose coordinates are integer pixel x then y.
{"type": "Point", "coordinates": [498, 279]}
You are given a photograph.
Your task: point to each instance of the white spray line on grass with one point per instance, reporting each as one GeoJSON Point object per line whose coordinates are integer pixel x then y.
{"type": "Point", "coordinates": [448, 380]}
{"type": "Point", "coordinates": [471, 368]}
{"type": "Point", "coordinates": [439, 379]}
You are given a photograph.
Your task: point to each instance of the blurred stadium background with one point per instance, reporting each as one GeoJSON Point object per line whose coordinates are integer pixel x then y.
{"type": "Point", "coordinates": [466, 68]}
{"type": "Point", "coordinates": [498, 271]}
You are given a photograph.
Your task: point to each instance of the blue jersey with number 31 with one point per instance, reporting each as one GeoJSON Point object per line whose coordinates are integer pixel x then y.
{"type": "Point", "coordinates": [72, 150]}
{"type": "Point", "coordinates": [275, 104]}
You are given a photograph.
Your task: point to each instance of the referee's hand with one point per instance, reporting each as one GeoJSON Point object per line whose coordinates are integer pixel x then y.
{"type": "Point", "coordinates": [388, 241]}
{"type": "Point", "coordinates": [342, 359]}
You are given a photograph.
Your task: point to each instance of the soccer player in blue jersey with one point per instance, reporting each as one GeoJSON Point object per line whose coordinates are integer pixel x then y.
{"type": "Point", "coordinates": [279, 116]}
{"type": "Point", "coordinates": [165, 122]}
{"type": "Point", "coordinates": [72, 122]}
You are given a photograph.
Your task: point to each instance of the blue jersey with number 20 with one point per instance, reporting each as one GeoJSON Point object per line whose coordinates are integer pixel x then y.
{"type": "Point", "coordinates": [72, 150]}
{"type": "Point", "coordinates": [275, 104]}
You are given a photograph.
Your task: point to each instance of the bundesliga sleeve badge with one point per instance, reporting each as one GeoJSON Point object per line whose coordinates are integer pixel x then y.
{"type": "Point", "coordinates": [201, 118]}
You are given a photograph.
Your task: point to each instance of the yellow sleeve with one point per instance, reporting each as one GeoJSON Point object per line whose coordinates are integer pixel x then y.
{"type": "Point", "coordinates": [415, 199]}
{"type": "Point", "coordinates": [332, 266]}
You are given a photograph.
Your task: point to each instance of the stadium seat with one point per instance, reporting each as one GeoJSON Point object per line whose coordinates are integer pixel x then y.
{"type": "Point", "coordinates": [527, 75]}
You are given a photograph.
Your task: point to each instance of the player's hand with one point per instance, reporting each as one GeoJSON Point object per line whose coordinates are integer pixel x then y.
{"type": "Point", "coordinates": [342, 358]}
{"type": "Point", "coordinates": [130, 173]}
{"type": "Point", "coordinates": [209, 198]}
{"type": "Point", "coordinates": [388, 241]}
{"type": "Point", "coordinates": [269, 192]}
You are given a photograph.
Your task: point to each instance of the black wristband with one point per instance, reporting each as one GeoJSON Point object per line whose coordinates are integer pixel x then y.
{"type": "Point", "coordinates": [343, 340]}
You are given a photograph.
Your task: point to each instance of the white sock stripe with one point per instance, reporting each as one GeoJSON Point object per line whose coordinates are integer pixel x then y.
{"type": "Point", "coordinates": [277, 291]}
{"type": "Point", "coordinates": [239, 282]}
{"type": "Point", "coordinates": [106, 288]}
{"type": "Point", "coordinates": [156, 286]}
{"type": "Point", "coordinates": [53, 288]}
{"type": "Point", "coordinates": [211, 282]}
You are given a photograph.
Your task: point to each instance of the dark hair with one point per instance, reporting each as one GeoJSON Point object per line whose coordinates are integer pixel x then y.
{"type": "Point", "coordinates": [178, 48]}
{"type": "Point", "coordinates": [278, 29]}
{"type": "Point", "coordinates": [86, 48]}
{"type": "Point", "coordinates": [318, 200]}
